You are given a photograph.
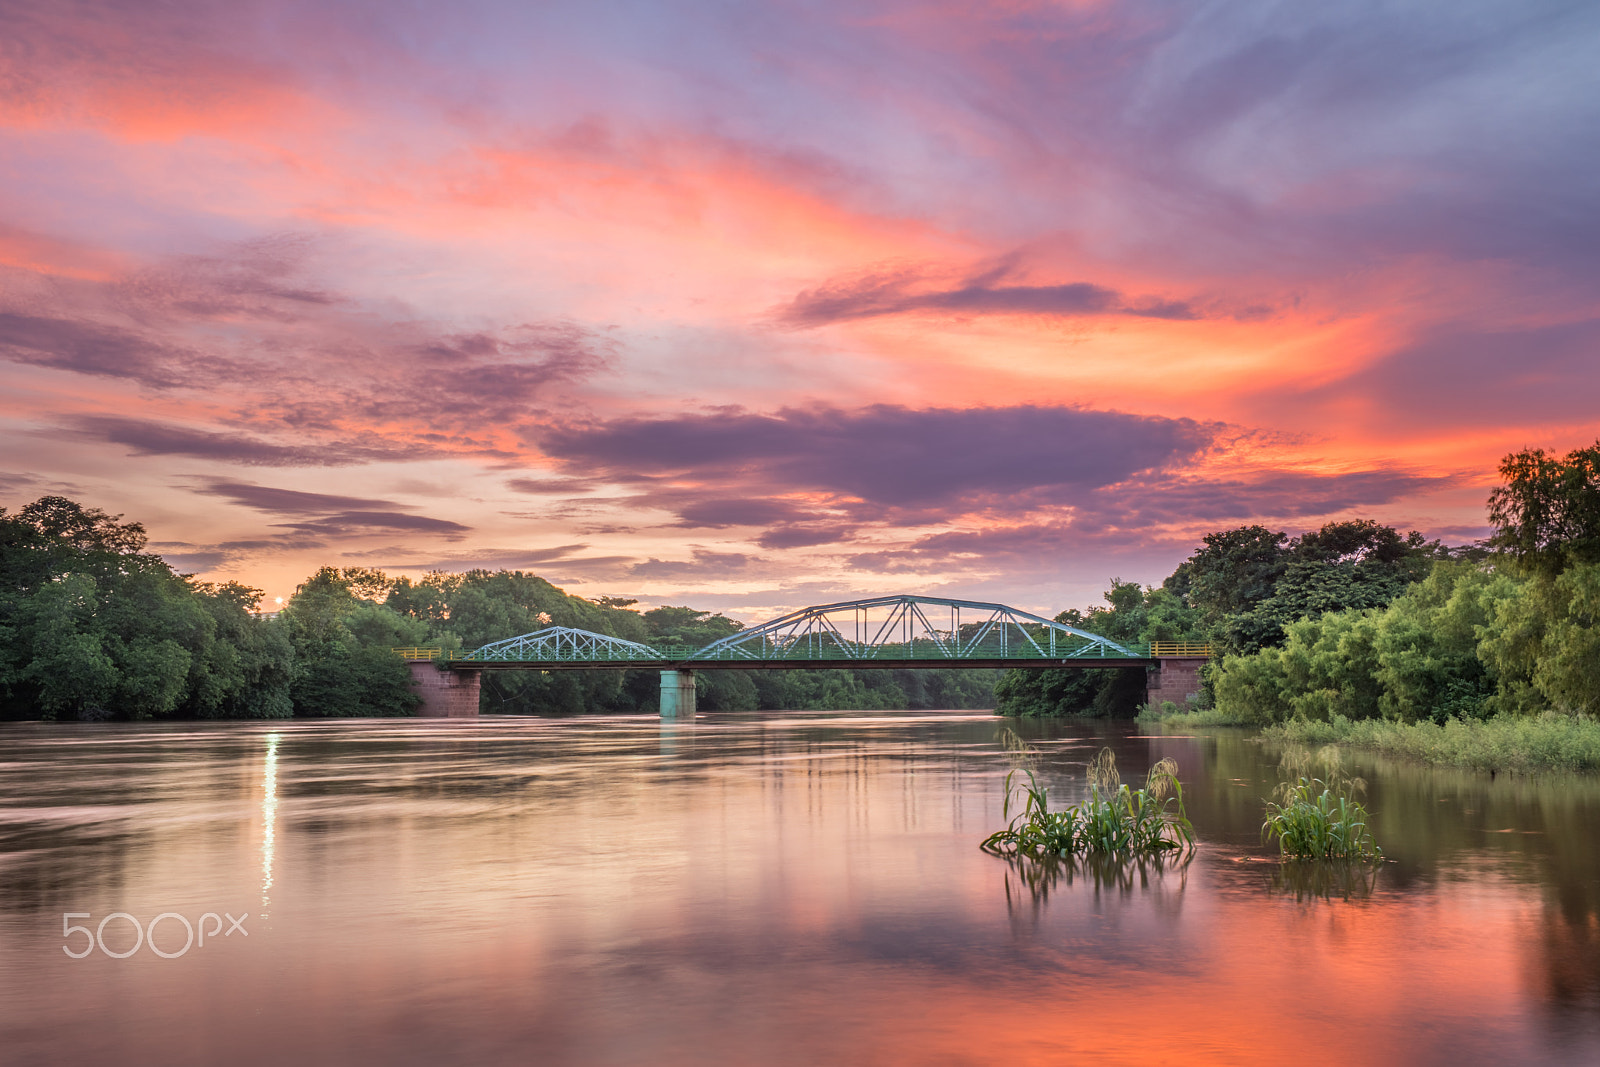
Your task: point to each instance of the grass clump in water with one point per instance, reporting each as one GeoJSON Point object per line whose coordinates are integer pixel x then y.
{"type": "Point", "coordinates": [1114, 821]}
{"type": "Point", "coordinates": [1315, 820]}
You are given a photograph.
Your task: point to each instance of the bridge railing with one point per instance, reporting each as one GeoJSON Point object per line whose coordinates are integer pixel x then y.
{"type": "Point", "coordinates": [1179, 648]}
{"type": "Point", "coordinates": [919, 649]}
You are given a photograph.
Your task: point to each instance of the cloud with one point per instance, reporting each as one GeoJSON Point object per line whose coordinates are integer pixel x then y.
{"type": "Point", "coordinates": [704, 564]}
{"type": "Point", "coordinates": [149, 438]}
{"type": "Point", "coordinates": [86, 347]}
{"type": "Point", "coordinates": [513, 559]}
{"type": "Point", "coordinates": [902, 293]}
{"type": "Point", "coordinates": [325, 515]}
{"type": "Point", "coordinates": [299, 373]}
{"type": "Point", "coordinates": [195, 562]}
{"type": "Point", "coordinates": [288, 501]}
{"type": "Point", "coordinates": [260, 279]}
{"type": "Point", "coordinates": [1158, 512]}
{"type": "Point", "coordinates": [718, 514]}
{"type": "Point", "coordinates": [886, 455]}
{"type": "Point", "coordinates": [1527, 374]}
{"type": "Point", "coordinates": [805, 535]}
{"type": "Point", "coordinates": [345, 523]}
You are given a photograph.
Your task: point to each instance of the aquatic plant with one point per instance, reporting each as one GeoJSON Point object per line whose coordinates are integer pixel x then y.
{"type": "Point", "coordinates": [1315, 820]}
{"type": "Point", "coordinates": [1114, 820]}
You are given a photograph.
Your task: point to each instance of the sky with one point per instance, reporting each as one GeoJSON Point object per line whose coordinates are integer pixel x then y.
{"type": "Point", "coordinates": [752, 305]}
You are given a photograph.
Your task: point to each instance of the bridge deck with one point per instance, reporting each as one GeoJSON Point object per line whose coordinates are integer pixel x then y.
{"type": "Point", "coordinates": [790, 664]}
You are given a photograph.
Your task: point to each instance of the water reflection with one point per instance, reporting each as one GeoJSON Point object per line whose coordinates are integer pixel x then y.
{"type": "Point", "coordinates": [1308, 880]}
{"type": "Point", "coordinates": [269, 818]}
{"type": "Point", "coordinates": [774, 889]}
{"type": "Point", "coordinates": [1099, 872]}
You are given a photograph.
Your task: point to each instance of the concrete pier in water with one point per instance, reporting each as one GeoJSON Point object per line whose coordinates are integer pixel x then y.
{"type": "Point", "coordinates": [677, 694]}
{"type": "Point", "coordinates": [449, 694]}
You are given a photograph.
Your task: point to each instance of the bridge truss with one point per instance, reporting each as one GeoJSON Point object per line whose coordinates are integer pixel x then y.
{"type": "Point", "coordinates": [900, 628]}
{"type": "Point", "coordinates": [563, 644]}
{"type": "Point", "coordinates": [890, 631]}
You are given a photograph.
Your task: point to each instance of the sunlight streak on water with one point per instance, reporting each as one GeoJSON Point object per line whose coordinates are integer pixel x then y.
{"type": "Point", "coordinates": [269, 818]}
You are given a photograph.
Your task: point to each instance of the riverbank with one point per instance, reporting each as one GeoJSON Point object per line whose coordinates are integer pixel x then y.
{"type": "Point", "coordinates": [1548, 742]}
{"type": "Point", "coordinates": [1523, 743]}
{"type": "Point", "coordinates": [1187, 719]}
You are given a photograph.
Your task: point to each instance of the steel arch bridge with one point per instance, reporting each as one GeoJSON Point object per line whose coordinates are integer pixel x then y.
{"type": "Point", "coordinates": [885, 632]}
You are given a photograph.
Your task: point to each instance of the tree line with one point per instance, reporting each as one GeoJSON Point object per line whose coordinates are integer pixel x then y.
{"type": "Point", "coordinates": [1354, 619]}
{"type": "Point", "coordinates": [1358, 620]}
{"type": "Point", "coordinates": [94, 627]}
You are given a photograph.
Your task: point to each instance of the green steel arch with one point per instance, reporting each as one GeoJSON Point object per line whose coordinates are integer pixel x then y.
{"type": "Point", "coordinates": [897, 631]}
{"type": "Point", "coordinates": [910, 627]}
{"type": "Point", "coordinates": [563, 644]}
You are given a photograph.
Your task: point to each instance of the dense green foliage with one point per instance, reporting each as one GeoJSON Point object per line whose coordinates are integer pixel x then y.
{"type": "Point", "coordinates": [1134, 615]}
{"type": "Point", "coordinates": [1515, 633]}
{"type": "Point", "coordinates": [1238, 592]}
{"type": "Point", "coordinates": [1489, 660]}
{"type": "Point", "coordinates": [1547, 515]}
{"type": "Point", "coordinates": [1249, 584]}
{"type": "Point", "coordinates": [92, 627]}
{"type": "Point", "coordinates": [1115, 820]}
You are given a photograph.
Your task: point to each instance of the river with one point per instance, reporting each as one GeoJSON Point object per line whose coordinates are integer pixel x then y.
{"type": "Point", "coordinates": [757, 888]}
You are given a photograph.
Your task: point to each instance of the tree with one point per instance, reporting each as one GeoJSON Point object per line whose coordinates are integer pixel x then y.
{"type": "Point", "coordinates": [1231, 572]}
{"type": "Point", "coordinates": [344, 664]}
{"type": "Point", "coordinates": [1547, 515]}
{"type": "Point", "coordinates": [1135, 615]}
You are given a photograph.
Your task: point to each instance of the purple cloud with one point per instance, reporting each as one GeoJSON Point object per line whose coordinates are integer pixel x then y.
{"type": "Point", "coordinates": [344, 523]}
{"type": "Point", "coordinates": [887, 455]}
{"type": "Point", "coordinates": [289, 501]}
{"type": "Point", "coordinates": [1156, 512]}
{"type": "Point", "coordinates": [718, 514]}
{"type": "Point", "coordinates": [148, 438]}
{"type": "Point", "coordinates": [704, 564]}
{"type": "Point", "coordinates": [899, 294]}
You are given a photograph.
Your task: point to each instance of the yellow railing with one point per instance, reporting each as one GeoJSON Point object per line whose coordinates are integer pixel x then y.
{"type": "Point", "coordinates": [425, 653]}
{"type": "Point", "coordinates": [1179, 648]}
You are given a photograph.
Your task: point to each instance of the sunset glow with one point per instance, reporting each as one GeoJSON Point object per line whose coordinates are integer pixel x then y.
{"type": "Point", "coordinates": [757, 306]}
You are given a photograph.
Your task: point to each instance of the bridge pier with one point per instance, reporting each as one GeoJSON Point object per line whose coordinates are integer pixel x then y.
{"type": "Point", "coordinates": [445, 694]}
{"type": "Point", "coordinates": [677, 694]}
{"type": "Point", "coordinates": [1174, 678]}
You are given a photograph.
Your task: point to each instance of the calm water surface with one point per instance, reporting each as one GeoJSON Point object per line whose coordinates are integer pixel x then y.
{"type": "Point", "coordinates": [800, 888]}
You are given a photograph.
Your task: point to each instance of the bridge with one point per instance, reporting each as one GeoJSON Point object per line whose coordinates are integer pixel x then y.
{"type": "Point", "coordinates": [879, 632]}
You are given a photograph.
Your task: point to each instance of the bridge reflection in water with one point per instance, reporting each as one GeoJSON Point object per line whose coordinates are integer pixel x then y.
{"type": "Point", "coordinates": [880, 632]}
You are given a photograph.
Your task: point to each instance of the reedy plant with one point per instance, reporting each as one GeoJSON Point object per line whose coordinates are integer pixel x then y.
{"type": "Point", "coordinates": [1115, 820]}
{"type": "Point", "coordinates": [1316, 814]}
{"type": "Point", "coordinates": [1315, 820]}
